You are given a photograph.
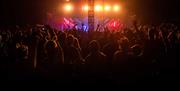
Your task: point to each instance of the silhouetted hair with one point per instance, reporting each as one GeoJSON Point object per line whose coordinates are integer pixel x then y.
{"type": "Point", "coordinates": [94, 46]}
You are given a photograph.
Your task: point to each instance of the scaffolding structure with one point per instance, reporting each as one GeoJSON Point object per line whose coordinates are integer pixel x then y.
{"type": "Point", "coordinates": [91, 15]}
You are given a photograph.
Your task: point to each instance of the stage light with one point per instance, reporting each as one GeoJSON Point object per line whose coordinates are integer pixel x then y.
{"type": "Point", "coordinates": [98, 8]}
{"type": "Point", "coordinates": [114, 24]}
{"type": "Point", "coordinates": [116, 8]}
{"type": "Point", "coordinates": [68, 8]}
{"type": "Point", "coordinates": [107, 8]}
{"type": "Point", "coordinates": [85, 7]}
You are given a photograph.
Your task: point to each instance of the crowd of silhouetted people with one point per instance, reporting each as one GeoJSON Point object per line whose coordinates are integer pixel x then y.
{"type": "Point", "coordinates": [141, 53]}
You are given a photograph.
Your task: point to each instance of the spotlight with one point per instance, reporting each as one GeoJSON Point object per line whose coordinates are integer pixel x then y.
{"type": "Point", "coordinates": [116, 8]}
{"type": "Point", "coordinates": [85, 8]}
{"type": "Point", "coordinates": [107, 8]}
{"type": "Point", "coordinates": [98, 8]}
{"type": "Point", "coordinates": [68, 8]}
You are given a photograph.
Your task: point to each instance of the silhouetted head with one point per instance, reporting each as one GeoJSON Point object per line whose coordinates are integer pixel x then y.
{"type": "Point", "coordinates": [50, 46]}
{"type": "Point", "coordinates": [22, 51]}
{"type": "Point", "coordinates": [151, 34]}
{"type": "Point", "coordinates": [136, 49]}
{"type": "Point", "coordinates": [94, 46]}
{"type": "Point", "coordinates": [70, 39]}
{"type": "Point", "coordinates": [76, 43]}
{"type": "Point", "coordinates": [63, 35]}
{"type": "Point", "coordinates": [47, 26]}
{"type": "Point", "coordinates": [124, 43]}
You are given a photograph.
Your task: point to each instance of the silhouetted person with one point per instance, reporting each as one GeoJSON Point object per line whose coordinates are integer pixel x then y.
{"type": "Point", "coordinates": [120, 61]}
{"type": "Point", "coordinates": [96, 60]}
{"type": "Point", "coordinates": [110, 47]}
{"type": "Point", "coordinates": [54, 60]}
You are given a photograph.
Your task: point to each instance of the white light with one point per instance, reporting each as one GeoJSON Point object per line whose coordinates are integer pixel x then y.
{"type": "Point", "coordinates": [86, 8]}
{"type": "Point", "coordinates": [98, 8]}
{"type": "Point", "coordinates": [116, 8]}
{"type": "Point", "coordinates": [107, 8]}
{"type": "Point", "coordinates": [68, 8]}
